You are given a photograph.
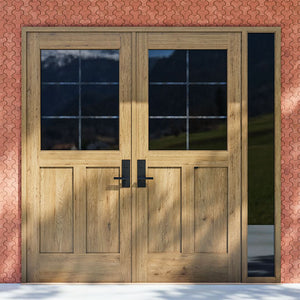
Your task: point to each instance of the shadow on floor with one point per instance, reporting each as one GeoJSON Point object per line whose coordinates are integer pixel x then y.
{"type": "Point", "coordinates": [149, 291]}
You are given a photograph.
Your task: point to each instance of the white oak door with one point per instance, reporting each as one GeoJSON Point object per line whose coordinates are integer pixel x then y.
{"type": "Point", "coordinates": [186, 135]}
{"type": "Point", "coordinates": [133, 157]}
{"type": "Point", "coordinates": [78, 135]}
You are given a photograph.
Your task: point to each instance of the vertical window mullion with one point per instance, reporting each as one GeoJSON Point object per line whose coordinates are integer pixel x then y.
{"type": "Point", "coordinates": [187, 101]}
{"type": "Point", "coordinates": [79, 101]}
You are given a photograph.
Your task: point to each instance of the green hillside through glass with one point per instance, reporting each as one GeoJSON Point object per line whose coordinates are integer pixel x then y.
{"type": "Point", "coordinates": [261, 140]}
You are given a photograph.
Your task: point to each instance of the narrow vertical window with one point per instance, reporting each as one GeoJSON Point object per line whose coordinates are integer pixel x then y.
{"type": "Point", "coordinates": [261, 155]}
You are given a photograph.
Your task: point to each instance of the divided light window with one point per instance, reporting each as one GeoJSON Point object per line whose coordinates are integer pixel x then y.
{"type": "Point", "coordinates": [188, 99]}
{"type": "Point", "coordinates": [80, 99]}
{"type": "Point", "coordinates": [80, 110]}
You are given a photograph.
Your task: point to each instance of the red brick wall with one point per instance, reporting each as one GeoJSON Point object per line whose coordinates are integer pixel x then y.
{"type": "Point", "coordinates": [17, 13]}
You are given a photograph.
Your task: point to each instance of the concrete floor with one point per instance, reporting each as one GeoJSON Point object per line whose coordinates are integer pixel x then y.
{"type": "Point", "coordinates": [149, 291]}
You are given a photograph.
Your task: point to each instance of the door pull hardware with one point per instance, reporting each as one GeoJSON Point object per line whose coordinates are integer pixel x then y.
{"type": "Point", "coordinates": [125, 173]}
{"type": "Point", "coordinates": [141, 166]}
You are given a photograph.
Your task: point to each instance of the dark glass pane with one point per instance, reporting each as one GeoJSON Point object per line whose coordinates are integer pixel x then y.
{"type": "Point", "coordinates": [167, 100]}
{"type": "Point", "coordinates": [167, 134]}
{"type": "Point", "coordinates": [261, 154]}
{"type": "Point", "coordinates": [59, 134]}
{"type": "Point", "coordinates": [100, 134]}
{"type": "Point", "coordinates": [167, 65]}
{"type": "Point", "coordinates": [208, 134]}
{"type": "Point", "coordinates": [100, 65]}
{"type": "Point", "coordinates": [100, 100]}
{"type": "Point", "coordinates": [208, 65]}
{"type": "Point", "coordinates": [59, 65]}
{"type": "Point", "coordinates": [59, 100]}
{"type": "Point", "coordinates": [260, 250]}
{"type": "Point", "coordinates": [208, 100]}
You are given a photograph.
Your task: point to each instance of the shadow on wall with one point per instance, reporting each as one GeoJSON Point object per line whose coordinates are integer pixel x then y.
{"type": "Point", "coordinates": [179, 292]}
{"type": "Point", "coordinates": [56, 225]}
{"type": "Point", "coordinates": [63, 217]}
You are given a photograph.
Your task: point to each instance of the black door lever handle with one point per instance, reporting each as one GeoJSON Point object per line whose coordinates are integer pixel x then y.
{"type": "Point", "coordinates": [141, 178]}
{"type": "Point", "coordinates": [125, 173]}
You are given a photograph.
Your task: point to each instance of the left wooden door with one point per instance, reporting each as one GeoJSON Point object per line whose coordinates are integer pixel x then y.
{"type": "Point", "coordinates": [78, 216]}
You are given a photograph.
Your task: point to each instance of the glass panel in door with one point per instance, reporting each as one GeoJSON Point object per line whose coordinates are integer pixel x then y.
{"type": "Point", "coordinates": [187, 99]}
{"type": "Point", "coordinates": [80, 99]}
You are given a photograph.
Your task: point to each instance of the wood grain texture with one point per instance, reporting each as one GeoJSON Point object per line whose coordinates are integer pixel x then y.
{"type": "Point", "coordinates": [187, 268]}
{"type": "Point", "coordinates": [24, 160]}
{"type": "Point", "coordinates": [71, 40]}
{"type": "Point", "coordinates": [228, 266]}
{"type": "Point", "coordinates": [80, 268]}
{"type": "Point", "coordinates": [211, 210]}
{"type": "Point", "coordinates": [103, 210]}
{"type": "Point", "coordinates": [98, 225]}
{"type": "Point", "coordinates": [140, 128]}
{"type": "Point", "coordinates": [244, 178]}
{"type": "Point", "coordinates": [188, 226]}
{"type": "Point", "coordinates": [164, 210]}
{"type": "Point", "coordinates": [188, 40]}
{"type": "Point", "coordinates": [134, 155]}
{"type": "Point", "coordinates": [80, 186]}
{"type": "Point", "coordinates": [79, 161]}
{"type": "Point", "coordinates": [158, 29]}
{"type": "Point", "coordinates": [277, 162]}
{"type": "Point", "coordinates": [234, 165]}
{"type": "Point", "coordinates": [56, 210]}
{"type": "Point", "coordinates": [32, 157]}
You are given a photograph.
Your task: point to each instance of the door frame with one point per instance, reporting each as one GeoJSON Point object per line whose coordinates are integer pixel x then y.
{"type": "Point", "coordinates": [244, 127]}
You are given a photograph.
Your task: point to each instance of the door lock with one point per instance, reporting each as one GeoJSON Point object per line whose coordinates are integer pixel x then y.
{"type": "Point", "coordinates": [125, 173]}
{"type": "Point", "coordinates": [141, 166]}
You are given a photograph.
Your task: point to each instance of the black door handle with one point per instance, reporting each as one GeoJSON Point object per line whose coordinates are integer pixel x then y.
{"type": "Point", "coordinates": [141, 166]}
{"type": "Point", "coordinates": [125, 173]}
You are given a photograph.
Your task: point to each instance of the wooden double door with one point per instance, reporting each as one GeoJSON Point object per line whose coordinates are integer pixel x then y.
{"type": "Point", "coordinates": [132, 148]}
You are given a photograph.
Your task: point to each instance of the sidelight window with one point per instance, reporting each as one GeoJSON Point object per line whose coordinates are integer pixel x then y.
{"type": "Point", "coordinates": [261, 147]}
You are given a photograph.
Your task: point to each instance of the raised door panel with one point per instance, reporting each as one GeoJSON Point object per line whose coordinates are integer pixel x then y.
{"type": "Point", "coordinates": [56, 210]}
{"type": "Point", "coordinates": [103, 210]}
{"type": "Point", "coordinates": [188, 119]}
{"type": "Point", "coordinates": [164, 210]}
{"type": "Point", "coordinates": [80, 268]}
{"type": "Point", "coordinates": [210, 212]}
{"type": "Point", "coordinates": [78, 130]}
{"type": "Point", "coordinates": [180, 267]}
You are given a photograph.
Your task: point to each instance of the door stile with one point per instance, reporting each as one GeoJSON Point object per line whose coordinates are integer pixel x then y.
{"type": "Point", "coordinates": [125, 148]}
{"type": "Point", "coordinates": [187, 233]}
{"type": "Point", "coordinates": [141, 145]}
{"type": "Point", "coordinates": [32, 135]}
{"type": "Point", "coordinates": [80, 228]}
{"type": "Point", "coordinates": [234, 163]}
{"type": "Point", "coordinates": [134, 143]}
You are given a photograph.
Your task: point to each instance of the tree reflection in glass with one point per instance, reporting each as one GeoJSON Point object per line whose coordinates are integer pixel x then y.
{"type": "Point", "coordinates": [79, 99]}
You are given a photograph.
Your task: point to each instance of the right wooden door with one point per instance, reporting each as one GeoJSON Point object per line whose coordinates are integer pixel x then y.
{"type": "Point", "coordinates": [186, 137]}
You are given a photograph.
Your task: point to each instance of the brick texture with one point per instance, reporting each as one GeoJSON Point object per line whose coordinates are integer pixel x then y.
{"type": "Point", "coordinates": [17, 13]}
